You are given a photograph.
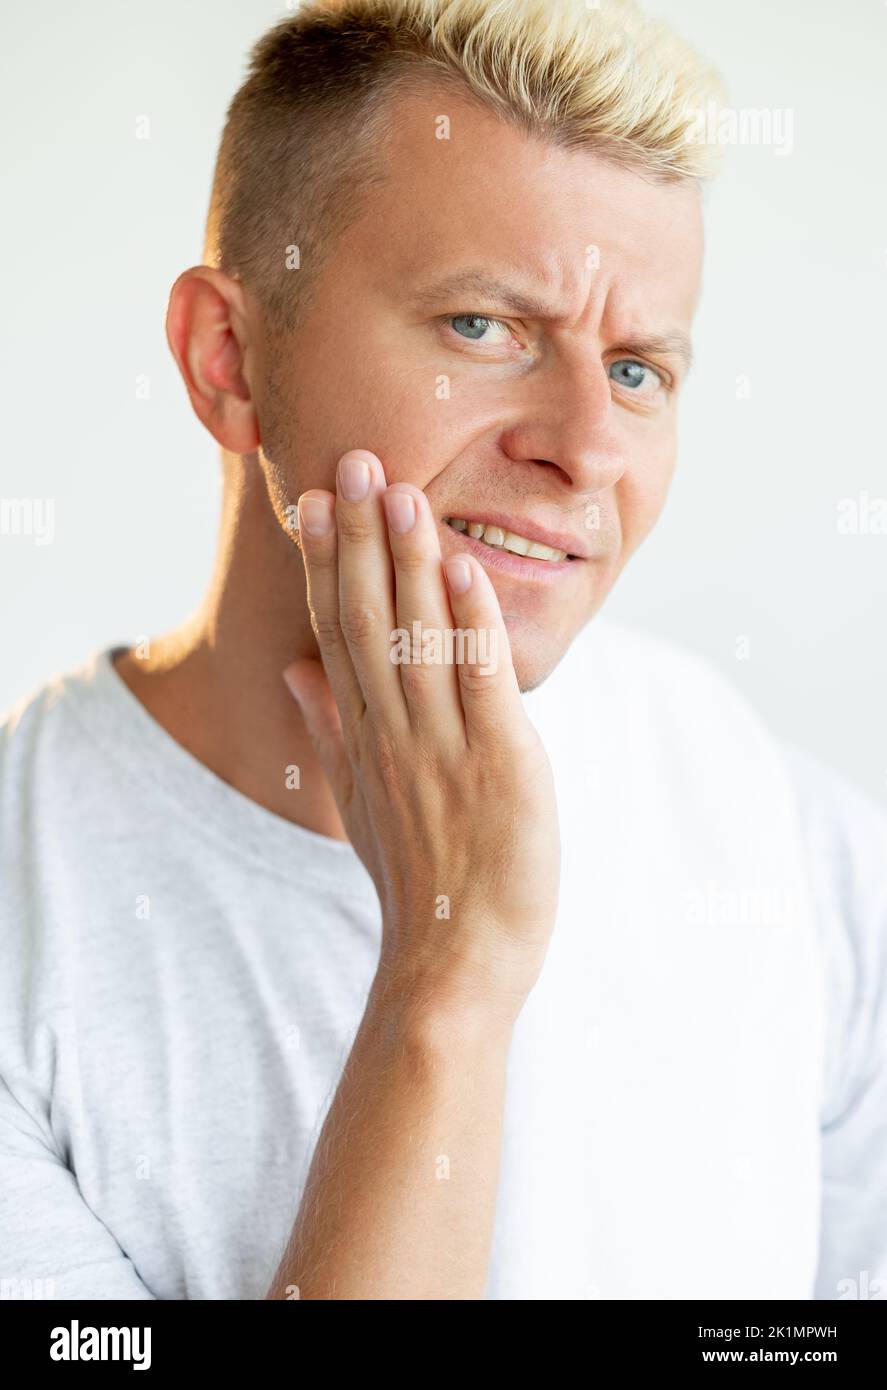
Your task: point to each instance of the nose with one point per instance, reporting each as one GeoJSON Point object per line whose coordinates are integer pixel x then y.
{"type": "Point", "coordinates": [567, 422]}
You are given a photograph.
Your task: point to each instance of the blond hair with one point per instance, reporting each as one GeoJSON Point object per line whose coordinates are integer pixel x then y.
{"type": "Point", "coordinates": [310, 119]}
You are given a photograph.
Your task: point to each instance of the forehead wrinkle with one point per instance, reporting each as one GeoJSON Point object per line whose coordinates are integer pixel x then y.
{"type": "Point", "coordinates": [629, 327]}
{"type": "Point", "coordinates": [497, 292]}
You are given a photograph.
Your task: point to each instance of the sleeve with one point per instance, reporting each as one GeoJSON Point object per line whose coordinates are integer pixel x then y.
{"type": "Point", "coordinates": [846, 838]}
{"type": "Point", "coordinates": [51, 1244]}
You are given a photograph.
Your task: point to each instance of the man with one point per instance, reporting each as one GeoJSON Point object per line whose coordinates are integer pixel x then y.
{"type": "Point", "coordinates": [392, 929]}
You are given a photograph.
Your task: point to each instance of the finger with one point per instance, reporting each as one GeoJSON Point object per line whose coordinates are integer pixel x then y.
{"type": "Point", "coordinates": [307, 682]}
{"type": "Point", "coordinates": [366, 584]}
{"type": "Point", "coordinates": [427, 640]}
{"type": "Point", "coordinates": [490, 695]}
{"type": "Point", "coordinates": [317, 539]}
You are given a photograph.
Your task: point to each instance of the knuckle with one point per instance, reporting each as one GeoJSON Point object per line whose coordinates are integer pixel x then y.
{"type": "Point", "coordinates": [417, 679]}
{"type": "Point", "coordinates": [360, 623]}
{"type": "Point", "coordinates": [478, 681]}
{"type": "Point", "coordinates": [410, 561]}
{"type": "Point", "coordinates": [318, 554]}
{"type": "Point", "coordinates": [388, 759]}
{"type": "Point", "coordinates": [435, 766]}
{"type": "Point", "coordinates": [326, 628]}
{"type": "Point", "coordinates": [355, 524]}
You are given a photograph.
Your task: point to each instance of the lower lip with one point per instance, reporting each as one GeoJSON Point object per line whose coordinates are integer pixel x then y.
{"type": "Point", "coordinates": [494, 558]}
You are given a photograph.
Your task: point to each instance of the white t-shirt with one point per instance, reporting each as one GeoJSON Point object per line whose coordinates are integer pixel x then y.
{"type": "Point", "coordinates": [697, 1091]}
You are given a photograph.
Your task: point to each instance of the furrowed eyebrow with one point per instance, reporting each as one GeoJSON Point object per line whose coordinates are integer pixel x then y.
{"type": "Point", "coordinates": [490, 292]}
{"type": "Point", "coordinates": [484, 288]}
{"type": "Point", "coordinates": [661, 345]}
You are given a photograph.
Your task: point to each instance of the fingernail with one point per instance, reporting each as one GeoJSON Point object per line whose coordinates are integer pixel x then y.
{"type": "Point", "coordinates": [354, 478]}
{"type": "Point", "coordinates": [315, 516]}
{"type": "Point", "coordinates": [458, 572]}
{"type": "Point", "coordinates": [400, 509]}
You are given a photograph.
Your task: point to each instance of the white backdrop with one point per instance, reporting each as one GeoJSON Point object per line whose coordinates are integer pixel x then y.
{"type": "Point", "coordinates": [755, 563]}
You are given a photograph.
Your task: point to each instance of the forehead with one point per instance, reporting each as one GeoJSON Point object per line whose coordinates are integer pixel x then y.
{"type": "Point", "coordinates": [461, 187]}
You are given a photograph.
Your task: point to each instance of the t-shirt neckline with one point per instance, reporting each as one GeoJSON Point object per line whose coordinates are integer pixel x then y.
{"type": "Point", "coordinates": [130, 735]}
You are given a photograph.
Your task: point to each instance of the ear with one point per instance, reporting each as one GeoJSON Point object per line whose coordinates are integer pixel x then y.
{"type": "Point", "coordinates": [206, 327]}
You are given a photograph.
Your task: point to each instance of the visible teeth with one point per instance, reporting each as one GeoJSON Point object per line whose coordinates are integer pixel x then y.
{"type": "Point", "coordinates": [519, 544]}
{"type": "Point", "coordinates": [506, 540]}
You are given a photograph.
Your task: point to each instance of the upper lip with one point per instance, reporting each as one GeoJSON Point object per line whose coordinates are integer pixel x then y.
{"type": "Point", "coordinates": [524, 526]}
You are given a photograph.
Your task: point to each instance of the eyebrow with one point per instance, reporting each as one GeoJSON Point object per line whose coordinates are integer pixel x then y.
{"type": "Point", "coordinates": [490, 291]}
{"type": "Point", "coordinates": [484, 287]}
{"type": "Point", "coordinates": [661, 345]}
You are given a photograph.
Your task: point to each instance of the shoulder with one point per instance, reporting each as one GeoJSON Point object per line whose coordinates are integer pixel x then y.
{"type": "Point", "coordinates": [668, 685]}
{"type": "Point", "coordinates": [845, 825]}
{"type": "Point", "coordinates": [652, 660]}
{"type": "Point", "coordinates": [41, 713]}
{"type": "Point", "coordinates": [51, 761]}
{"type": "Point", "coordinates": [839, 819]}
{"type": "Point", "coordinates": [844, 829]}
{"type": "Point", "coordinates": [47, 759]}
{"type": "Point", "coordinates": [50, 756]}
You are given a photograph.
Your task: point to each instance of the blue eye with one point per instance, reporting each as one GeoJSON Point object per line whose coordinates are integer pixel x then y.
{"type": "Point", "coordinates": [475, 327]}
{"type": "Point", "coordinates": [636, 376]}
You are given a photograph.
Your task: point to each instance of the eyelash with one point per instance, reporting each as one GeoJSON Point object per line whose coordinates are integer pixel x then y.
{"type": "Point", "coordinates": [666, 381]}
{"type": "Point", "coordinates": [474, 314]}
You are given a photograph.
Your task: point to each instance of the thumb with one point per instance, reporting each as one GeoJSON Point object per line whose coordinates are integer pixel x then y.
{"type": "Point", "coordinates": [307, 682]}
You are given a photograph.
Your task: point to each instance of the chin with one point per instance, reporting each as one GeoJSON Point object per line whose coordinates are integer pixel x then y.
{"type": "Point", "coordinates": [537, 651]}
{"type": "Point", "coordinates": [534, 656]}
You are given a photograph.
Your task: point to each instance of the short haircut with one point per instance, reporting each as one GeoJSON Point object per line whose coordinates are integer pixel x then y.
{"type": "Point", "coordinates": [303, 135]}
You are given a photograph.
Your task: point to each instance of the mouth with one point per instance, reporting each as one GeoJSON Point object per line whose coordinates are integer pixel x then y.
{"type": "Point", "coordinates": [529, 551]}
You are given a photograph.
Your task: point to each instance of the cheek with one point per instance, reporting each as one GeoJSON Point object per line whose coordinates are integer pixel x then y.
{"type": "Point", "coordinates": [309, 418]}
{"type": "Point", "coordinates": [642, 490]}
{"type": "Point", "coordinates": [415, 434]}
{"type": "Point", "coordinates": [402, 413]}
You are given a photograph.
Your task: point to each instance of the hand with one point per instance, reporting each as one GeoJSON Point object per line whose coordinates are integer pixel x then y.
{"type": "Point", "coordinates": [442, 783]}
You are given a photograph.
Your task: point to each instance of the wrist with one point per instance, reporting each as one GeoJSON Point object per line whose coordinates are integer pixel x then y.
{"type": "Point", "coordinates": [439, 1019]}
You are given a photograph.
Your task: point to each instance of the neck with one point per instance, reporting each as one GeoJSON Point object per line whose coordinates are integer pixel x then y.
{"type": "Point", "coordinates": [215, 683]}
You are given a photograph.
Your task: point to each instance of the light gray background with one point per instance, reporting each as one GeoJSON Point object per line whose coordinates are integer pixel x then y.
{"type": "Point", "coordinates": [783, 416]}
